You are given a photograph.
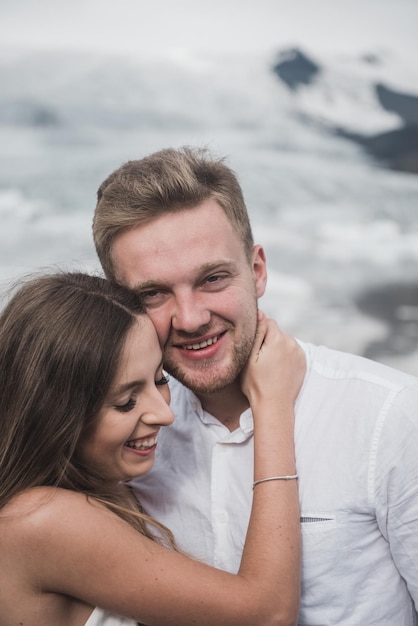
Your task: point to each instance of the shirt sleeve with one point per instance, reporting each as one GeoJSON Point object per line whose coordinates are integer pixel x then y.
{"type": "Point", "coordinates": [394, 481]}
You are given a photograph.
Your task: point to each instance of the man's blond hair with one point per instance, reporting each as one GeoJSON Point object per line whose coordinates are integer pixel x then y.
{"type": "Point", "coordinates": [167, 181]}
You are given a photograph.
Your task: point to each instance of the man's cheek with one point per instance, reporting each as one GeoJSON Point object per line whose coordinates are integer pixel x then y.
{"type": "Point", "coordinates": [162, 325]}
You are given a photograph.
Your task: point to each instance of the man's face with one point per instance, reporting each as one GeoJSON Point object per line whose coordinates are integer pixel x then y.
{"type": "Point", "coordinates": [200, 291]}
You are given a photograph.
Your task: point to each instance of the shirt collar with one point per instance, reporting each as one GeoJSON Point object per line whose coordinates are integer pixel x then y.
{"type": "Point", "coordinates": [246, 423]}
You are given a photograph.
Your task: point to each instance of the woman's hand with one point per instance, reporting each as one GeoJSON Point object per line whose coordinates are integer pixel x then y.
{"type": "Point", "coordinates": [276, 367]}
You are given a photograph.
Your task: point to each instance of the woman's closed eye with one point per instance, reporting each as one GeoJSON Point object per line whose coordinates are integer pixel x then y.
{"type": "Point", "coordinates": [127, 406]}
{"type": "Point", "coordinates": [163, 380]}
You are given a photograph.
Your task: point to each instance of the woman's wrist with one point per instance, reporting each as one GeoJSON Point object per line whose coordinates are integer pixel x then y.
{"type": "Point", "coordinates": [270, 478]}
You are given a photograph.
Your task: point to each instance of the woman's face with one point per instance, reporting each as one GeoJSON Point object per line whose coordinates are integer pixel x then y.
{"type": "Point", "coordinates": [121, 443]}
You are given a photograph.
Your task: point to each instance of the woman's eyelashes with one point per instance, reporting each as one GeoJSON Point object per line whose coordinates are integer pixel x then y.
{"type": "Point", "coordinates": [128, 406]}
{"type": "Point", "coordinates": [163, 380]}
{"type": "Point", "coordinates": [131, 403]}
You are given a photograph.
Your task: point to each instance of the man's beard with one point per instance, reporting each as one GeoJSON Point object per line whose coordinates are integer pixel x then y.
{"type": "Point", "coordinates": [201, 380]}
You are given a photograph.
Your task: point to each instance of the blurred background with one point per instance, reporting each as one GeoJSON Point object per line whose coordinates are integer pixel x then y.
{"type": "Point", "coordinates": [314, 104]}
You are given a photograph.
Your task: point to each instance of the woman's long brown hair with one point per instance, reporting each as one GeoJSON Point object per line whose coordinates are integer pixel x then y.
{"type": "Point", "coordinates": [61, 338]}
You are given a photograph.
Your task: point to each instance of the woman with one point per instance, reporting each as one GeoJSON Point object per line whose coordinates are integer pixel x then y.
{"type": "Point", "coordinates": [83, 396]}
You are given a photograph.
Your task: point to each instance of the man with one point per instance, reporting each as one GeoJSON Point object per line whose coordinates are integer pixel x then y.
{"type": "Point", "coordinates": [174, 227]}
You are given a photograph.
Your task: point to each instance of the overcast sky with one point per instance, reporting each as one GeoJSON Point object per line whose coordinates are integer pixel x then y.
{"type": "Point", "coordinates": [172, 26]}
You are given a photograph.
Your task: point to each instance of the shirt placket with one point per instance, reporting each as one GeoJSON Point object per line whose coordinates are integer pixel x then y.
{"type": "Point", "coordinates": [224, 455]}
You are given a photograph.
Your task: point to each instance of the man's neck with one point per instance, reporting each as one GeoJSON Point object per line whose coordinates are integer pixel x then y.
{"type": "Point", "coordinates": [226, 405]}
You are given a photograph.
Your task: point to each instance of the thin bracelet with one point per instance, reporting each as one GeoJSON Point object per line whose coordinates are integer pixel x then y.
{"type": "Point", "coordinates": [264, 480]}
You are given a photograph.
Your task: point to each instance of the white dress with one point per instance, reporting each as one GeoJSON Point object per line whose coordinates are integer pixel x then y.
{"type": "Point", "coordinates": [99, 617]}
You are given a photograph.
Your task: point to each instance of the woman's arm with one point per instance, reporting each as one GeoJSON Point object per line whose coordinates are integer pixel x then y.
{"type": "Point", "coordinates": [271, 381]}
{"type": "Point", "coordinates": [75, 547]}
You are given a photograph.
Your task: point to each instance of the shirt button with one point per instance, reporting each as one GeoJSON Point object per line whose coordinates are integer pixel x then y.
{"type": "Point", "coordinates": [222, 517]}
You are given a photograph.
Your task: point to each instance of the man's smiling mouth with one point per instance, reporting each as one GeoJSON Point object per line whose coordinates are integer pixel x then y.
{"type": "Point", "coordinates": [202, 344]}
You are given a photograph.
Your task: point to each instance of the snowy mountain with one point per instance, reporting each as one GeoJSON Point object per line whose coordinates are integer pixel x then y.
{"type": "Point", "coordinates": [351, 100]}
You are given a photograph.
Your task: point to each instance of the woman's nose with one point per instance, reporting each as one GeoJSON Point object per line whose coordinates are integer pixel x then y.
{"type": "Point", "coordinates": [158, 411]}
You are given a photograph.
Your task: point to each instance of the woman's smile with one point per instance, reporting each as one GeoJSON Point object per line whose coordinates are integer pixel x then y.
{"type": "Point", "coordinates": [143, 445]}
{"type": "Point", "coordinates": [122, 444]}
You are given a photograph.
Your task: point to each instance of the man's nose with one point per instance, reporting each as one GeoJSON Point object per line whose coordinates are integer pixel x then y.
{"type": "Point", "coordinates": [190, 313]}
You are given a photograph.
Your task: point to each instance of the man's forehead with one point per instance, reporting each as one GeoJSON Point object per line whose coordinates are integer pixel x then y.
{"type": "Point", "coordinates": [184, 244]}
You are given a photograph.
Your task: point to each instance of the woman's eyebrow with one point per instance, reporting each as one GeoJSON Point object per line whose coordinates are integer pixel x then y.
{"type": "Point", "coordinates": [133, 383]}
{"type": "Point", "coordinates": [126, 387]}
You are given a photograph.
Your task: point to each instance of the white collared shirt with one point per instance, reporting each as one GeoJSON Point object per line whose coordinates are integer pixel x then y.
{"type": "Point", "coordinates": [356, 438]}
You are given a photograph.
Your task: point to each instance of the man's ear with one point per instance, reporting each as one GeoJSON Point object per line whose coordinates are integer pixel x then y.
{"type": "Point", "coordinates": [259, 266]}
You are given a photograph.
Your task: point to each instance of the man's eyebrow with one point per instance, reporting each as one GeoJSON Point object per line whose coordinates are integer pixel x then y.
{"type": "Point", "coordinates": [212, 266]}
{"type": "Point", "coordinates": [147, 285]}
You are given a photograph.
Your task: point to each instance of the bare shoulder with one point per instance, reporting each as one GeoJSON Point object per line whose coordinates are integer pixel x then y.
{"type": "Point", "coordinates": [27, 525]}
{"type": "Point", "coordinates": [34, 507]}
{"type": "Point", "coordinates": [37, 514]}
{"type": "Point", "coordinates": [24, 509]}
{"type": "Point", "coordinates": [45, 530]}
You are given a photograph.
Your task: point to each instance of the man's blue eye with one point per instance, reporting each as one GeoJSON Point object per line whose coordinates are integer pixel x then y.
{"type": "Point", "coordinates": [150, 294]}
